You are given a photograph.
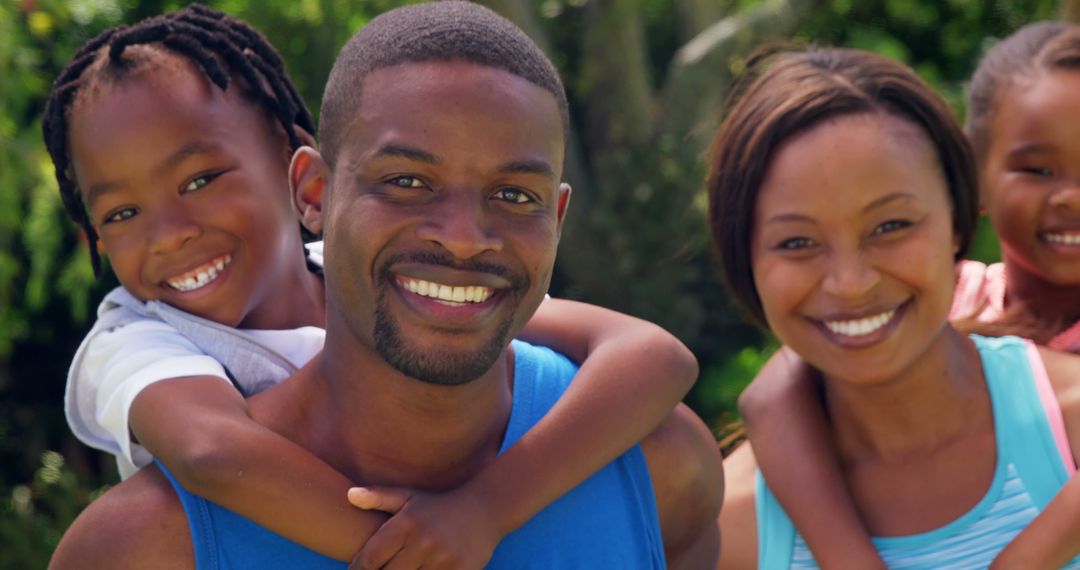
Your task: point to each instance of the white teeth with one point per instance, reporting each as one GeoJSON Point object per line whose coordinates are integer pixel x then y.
{"type": "Point", "coordinates": [447, 293]}
{"type": "Point", "coordinates": [860, 327]}
{"type": "Point", "coordinates": [1063, 238]}
{"type": "Point", "coordinates": [200, 276]}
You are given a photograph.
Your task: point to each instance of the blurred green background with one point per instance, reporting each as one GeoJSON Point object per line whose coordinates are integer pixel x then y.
{"type": "Point", "coordinates": [646, 79]}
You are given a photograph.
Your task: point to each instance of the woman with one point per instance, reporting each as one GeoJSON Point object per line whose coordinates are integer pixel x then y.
{"type": "Point", "coordinates": [842, 192]}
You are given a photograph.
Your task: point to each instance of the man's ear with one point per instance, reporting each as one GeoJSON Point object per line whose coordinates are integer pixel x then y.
{"type": "Point", "coordinates": [562, 204]}
{"type": "Point", "coordinates": [308, 176]}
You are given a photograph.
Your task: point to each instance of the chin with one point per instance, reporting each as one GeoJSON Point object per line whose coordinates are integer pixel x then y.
{"type": "Point", "coordinates": [439, 365]}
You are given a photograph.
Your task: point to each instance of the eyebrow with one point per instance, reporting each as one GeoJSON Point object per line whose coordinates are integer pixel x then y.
{"type": "Point", "coordinates": [1029, 148]}
{"type": "Point", "coordinates": [411, 153]}
{"type": "Point", "coordinates": [198, 146]}
{"type": "Point", "coordinates": [876, 203]}
{"type": "Point", "coordinates": [528, 167]}
{"type": "Point", "coordinates": [539, 167]}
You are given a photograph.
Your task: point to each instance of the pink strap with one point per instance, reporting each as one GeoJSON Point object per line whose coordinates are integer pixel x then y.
{"type": "Point", "coordinates": [1051, 407]}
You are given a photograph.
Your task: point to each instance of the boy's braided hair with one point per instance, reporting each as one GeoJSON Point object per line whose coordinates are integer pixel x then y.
{"type": "Point", "coordinates": [221, 46]}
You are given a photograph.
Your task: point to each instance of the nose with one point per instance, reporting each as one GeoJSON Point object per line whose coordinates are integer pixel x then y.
{"type": "Point", "coordinates": [850, 275]}
{"type": "Point", "coordinates": [172, 229]}
{"type": "Point", "coordinates": [460, 223]}
{"type": "Point", "coordinates": [1067, 198]}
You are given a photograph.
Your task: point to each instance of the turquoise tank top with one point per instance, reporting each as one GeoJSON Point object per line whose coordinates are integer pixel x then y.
{"type": "Point", "coordinates": [1029, 472]}
{"type": "Point", "coordinates": [609, 521]}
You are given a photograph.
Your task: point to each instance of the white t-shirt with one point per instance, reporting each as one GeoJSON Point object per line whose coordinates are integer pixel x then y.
{"type": "Point", "coordinates": [118, 364]}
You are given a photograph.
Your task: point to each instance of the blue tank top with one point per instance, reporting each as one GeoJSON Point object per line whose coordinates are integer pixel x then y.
{"type": "Point", "coordinates": [609, 521]}
{"type": "Point", "coordinates": [1028, 474]}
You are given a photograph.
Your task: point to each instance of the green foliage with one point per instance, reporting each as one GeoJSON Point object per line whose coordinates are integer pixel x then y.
{"type": "Point", "coordinates": [33, 516]}
{"type": "Point", "coordinates": [722, 383]}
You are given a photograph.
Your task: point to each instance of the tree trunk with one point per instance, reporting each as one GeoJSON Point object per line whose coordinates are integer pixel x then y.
{"type": "Point", "coordinates": [702, 71]}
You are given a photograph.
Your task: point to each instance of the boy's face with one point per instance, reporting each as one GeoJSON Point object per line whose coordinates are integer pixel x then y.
{"type": "Point", "coordinates": [187, 188]}
{"type": "Point", "coordinates": [443, 217]}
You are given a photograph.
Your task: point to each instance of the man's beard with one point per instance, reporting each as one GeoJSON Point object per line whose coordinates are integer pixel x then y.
{"type": "Point", "coordinates": [444, 367]}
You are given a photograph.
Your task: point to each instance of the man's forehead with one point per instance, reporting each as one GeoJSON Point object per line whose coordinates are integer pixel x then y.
{"type": "Point", "coordinates": [423, 110]}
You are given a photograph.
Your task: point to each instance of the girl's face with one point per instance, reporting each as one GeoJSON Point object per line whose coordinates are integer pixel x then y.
{"type": "Point", "coordinates": [853, 246]}
{"type": "Point", "coordinates": [1031, 176]}
{"type": "Point", "coordinates": [187, 187]}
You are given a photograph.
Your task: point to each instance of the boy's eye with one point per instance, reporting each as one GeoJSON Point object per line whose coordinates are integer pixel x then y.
{"type": "Point", "coordinates": [795, 244]}
{"type": "Point", "coordinates": [513, 195]}
{"type": "Point", "coordinates": [199, 182]}
{"type": "Point", "coordinates": [406, 182]}
{"type": "Point", "coordinates": [891, 226]}
{"type": "Point", "coordinates": [120, 215]}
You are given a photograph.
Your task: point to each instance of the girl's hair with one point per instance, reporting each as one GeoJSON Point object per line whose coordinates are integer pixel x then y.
{"type": "Point", "coordinates": [222, 47]}
{"type": "Point", "coordinates": [785, 94]}
{"type": "Point", "coordinates": [1035, 48]}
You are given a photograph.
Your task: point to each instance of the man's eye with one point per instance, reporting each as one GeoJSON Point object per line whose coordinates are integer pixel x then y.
{"type": "Point", "coordinates": [406, 182]}
{"type": "Point", "coordinates": [120, 215]}
{"type": "Point", "coordinates": [199, 182]}
{"type": "Point", "coordinates": [513, 195]}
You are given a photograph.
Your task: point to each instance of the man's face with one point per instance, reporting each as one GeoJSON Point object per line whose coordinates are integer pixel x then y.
{"type": "Point", "coordinates": [443, 216]}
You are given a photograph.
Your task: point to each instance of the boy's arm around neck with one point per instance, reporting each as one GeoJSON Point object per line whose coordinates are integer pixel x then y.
{"type": "Point", "coordinates": [632, 375]}
{"type": "Point", "coordinates": [200, 429]}
{"type": "Point", "coordinates": [1053, 538]}
{"type": "Point", "coordinates": [786, 423]}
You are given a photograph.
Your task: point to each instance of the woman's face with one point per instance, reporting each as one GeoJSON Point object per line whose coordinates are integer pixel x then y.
{"type": "Point", "coordinates": [853, 246]}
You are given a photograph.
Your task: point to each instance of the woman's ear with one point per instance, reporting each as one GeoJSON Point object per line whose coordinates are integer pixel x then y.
{"type": "Point", "coordinates": [308, 175]}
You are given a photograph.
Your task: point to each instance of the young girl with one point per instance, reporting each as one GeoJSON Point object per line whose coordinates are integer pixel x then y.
{"type": "Point", "coordinates": [841, 193]}
{"type": "Point", "coordinates": [1022, 118]}
{"type": "Point", "coordinates": [171, 141]}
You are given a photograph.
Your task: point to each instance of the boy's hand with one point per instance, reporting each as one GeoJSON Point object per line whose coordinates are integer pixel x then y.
{"type": "Point", "coordinates": [450, 531]}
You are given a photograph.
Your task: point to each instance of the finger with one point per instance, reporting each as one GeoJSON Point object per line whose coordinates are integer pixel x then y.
{"type": "Point", "coordinates": [385, 499]}
{"type": "Point", "coordinates": [406, 559]}
{"type": "Point", "coordinates": [382, 546]}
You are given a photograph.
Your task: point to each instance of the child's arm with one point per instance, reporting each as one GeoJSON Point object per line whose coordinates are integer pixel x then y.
{"type": "Point", "coordinates": [1051, 540]}
{"type": "Point", "coordinates": [633, 373]}
{"type": "Point", "coordinates": [1053, 537]}
{"type": "Point", "coordinates": [786, 424]}
{"type": "Point", "coordinates": [199, 428]}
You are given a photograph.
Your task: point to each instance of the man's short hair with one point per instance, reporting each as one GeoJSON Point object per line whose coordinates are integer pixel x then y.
{"type": "Point", "coordinates": [437, 31]}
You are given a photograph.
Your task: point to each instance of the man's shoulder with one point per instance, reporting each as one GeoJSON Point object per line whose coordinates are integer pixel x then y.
{"type": "Point", "coordinates": [137, 524]}
{"type": "Point", "coordinates": [688, 481]}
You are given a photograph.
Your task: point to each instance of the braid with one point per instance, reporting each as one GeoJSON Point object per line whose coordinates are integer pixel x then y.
{"type": "Point", "coordinates": [221, 46]}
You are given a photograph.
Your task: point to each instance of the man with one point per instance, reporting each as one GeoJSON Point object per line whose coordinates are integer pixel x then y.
{"type": "Point", "coordinates": [438, 194]}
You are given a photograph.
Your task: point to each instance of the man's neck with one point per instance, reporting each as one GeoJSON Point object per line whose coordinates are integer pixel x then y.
{"type": "Point", "coordinates": [379, 427]}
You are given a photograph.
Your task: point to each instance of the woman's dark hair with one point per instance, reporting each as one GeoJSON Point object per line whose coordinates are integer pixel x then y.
{"type": "Point", "coordinates": [784, 94]}
{"type": "Point", "coordinates": [221, 46]}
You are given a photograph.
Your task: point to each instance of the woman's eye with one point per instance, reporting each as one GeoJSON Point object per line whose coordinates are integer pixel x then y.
{"type": "Point", "coordinates": [513, 195]}
{"type": "Point", "coordinates": [795, 244]}
{"type": "Point", "coordinates": [199, 182]}
{"type": "Point", "coordinates": [891, 226]}
{"type": "Point", "coordinates": [406, 182]}
{"type": "Point", "coordinates": [120, 215]}
{"type": "Point", "coordinates": [1042, 171]}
